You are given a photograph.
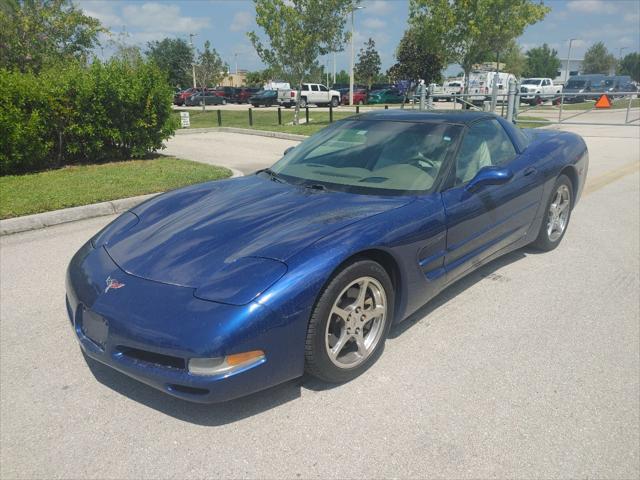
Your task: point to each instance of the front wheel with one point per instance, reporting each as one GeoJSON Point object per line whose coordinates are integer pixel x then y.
{"type": "Point", "coordinates": [558, 213]}
{"type": "Point", "coordinates": [224, 102]}
{"type": "Point", "coordinates": [350, 322]}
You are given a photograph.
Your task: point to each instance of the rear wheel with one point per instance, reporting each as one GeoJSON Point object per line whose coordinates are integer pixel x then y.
{"type": "Point", "coordinates": [558, 214]}
{"type": "Point", "coordinates": [350, 322]}
{"type": "Point", "coordinates": [303, 102]}
{"type": "Point", "coordinates": [335, 102]}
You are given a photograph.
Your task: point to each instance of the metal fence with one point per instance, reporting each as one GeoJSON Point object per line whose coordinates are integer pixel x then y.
{"type": "Point", "coordinates": [557, 108]}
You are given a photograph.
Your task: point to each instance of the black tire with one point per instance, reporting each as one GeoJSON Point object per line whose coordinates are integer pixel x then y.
{"type": "Point", "coordinates": [303, 102]}
{"type": "Point", "coordinates": [335, 102]}
{"type": "Point", "coordinates": [543, 241]}
{"type": "Point", "coordinates": [224, 102]}
{"type": "Point", "coordinates": [317, 361]}
{"type": "Point", "coordinates": [360, 102]}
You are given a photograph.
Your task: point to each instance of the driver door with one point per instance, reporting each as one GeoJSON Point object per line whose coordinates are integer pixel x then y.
{"type": "Point", "coordinates": [481, 222]}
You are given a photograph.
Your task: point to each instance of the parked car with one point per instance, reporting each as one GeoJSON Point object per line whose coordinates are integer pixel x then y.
{"type": "Point", "coordinates": [388, 95]}
{"type": "Point", "coordinates": [452, 88]}
{"type": "Point", "coordinates": [225, 288]}
{"type": "Point", "coordinates": [359, 96]}
{"type": "Point", "coordinates": [242, 95]}
{"type": "Point", "coordinates": [590, 86]}
{"type": "Point", "coordinates": [619, 83]}
{"type": "Point", "coordinates": [226, 92]}
{"type": "Point", "coordinates": [318, 94]}
{"type": "Point", "coordinates": [180, 97]}
{"type": "Point", "coordinates": [481, 86]}
{"type": "Point", "coordinates": [268, 98]}
{"type": "Point", "coordinates": [535, 91]}
{"type": "Point", "coordinates": [208, 98]}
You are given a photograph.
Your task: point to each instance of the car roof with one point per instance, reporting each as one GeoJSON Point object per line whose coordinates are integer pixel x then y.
{"type": "Point", "coordinates": [449, 116]}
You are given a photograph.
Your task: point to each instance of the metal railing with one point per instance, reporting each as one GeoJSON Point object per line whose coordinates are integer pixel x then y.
{"type": "Point", "coordinates": [553, 108]}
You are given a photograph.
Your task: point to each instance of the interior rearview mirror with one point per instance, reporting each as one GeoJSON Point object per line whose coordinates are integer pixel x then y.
{"type": "Point", "coordinates": [489, 176]}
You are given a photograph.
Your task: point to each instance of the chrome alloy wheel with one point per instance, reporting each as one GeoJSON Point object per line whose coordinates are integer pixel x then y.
{"type": "Point", "coordinates": [356, 322]}
{"type": "Point", "coordinates": [558, 214]}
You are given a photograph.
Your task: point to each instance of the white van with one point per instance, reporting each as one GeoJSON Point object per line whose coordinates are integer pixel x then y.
{"type": "Point", "coordinates": [481, 85]}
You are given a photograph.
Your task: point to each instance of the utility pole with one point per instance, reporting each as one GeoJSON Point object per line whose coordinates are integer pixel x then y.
{"type": "Point", "coordinates": [235, 58]}
{"type": "Point", "coordinates": [193, 59]}
{"type": "Point", "coordinates": [334, 67]}
{"type": "Point", "coordinates": [352, 54]}
{"type": "Point", "coordinates": [569, 60]}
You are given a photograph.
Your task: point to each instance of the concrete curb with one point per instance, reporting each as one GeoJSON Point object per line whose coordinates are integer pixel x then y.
{"type": "Point", "coordinates": [244, 131]}
{"type": "Point", "coordinates": [66, 215]}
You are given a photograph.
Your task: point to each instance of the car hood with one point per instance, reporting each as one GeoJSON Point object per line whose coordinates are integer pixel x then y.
{"type": "Point", "coordinates": [186, 236]}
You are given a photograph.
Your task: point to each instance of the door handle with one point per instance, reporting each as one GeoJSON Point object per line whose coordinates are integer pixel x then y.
{"type": "Point", "coordinates": [530, 171]}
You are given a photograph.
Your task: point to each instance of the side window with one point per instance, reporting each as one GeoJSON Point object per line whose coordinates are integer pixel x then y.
{"type": "Point", "coordinates": [314, 88]}
{"type": "Point", "coordinates": [485, 144]}
{"type": "Point", "coordinates": [305, 87]}
{"type": "Point", "coordinates": [323, 88]}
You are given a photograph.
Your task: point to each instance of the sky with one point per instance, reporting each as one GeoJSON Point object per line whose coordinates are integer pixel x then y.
{"type": "Point", "coordinates": [225, 24]}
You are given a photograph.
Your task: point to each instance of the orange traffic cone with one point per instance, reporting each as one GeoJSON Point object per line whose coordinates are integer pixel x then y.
{"type": "Point", "coordinates": [603, 102]}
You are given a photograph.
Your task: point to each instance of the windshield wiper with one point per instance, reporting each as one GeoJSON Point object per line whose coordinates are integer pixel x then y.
{"type": "Point", "coordinates": [273, 175]}
{"type": "Point", "coordinates": [316, 186]}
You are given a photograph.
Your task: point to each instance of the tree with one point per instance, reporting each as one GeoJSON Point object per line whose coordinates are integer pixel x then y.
{"type": "Point", "coordinates": [513, 59]}
{"type": "Point", "coordinates": [542, 62]}
{"type": "Point", "coordinates": [174, 56]}
{"type": "Point", "coordinates": [368, 66]}
{"type": "Point", "coordinates": [210, 69]}
{"type": "Point", "coordinates": [415, 62]}
{"type": "Point", "coordinates": [598, 59]}
{"type": "Point", "coordinates": [297, 33]}
{"type": "Point", "coordinates": [342, 77]}
{"type": "Point", "coordinates": [36, 33]}
{"type": "Point", "coordinates": [630, 65]}
{"type": "Point", "coordinates": [464, 31]}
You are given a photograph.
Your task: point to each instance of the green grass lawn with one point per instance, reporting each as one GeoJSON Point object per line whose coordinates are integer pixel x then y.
{"type": "Point", "coordinates": [86, 184]}
{"type": "Point", "coordinates": [266, 119]}
{"type": "Point", "coordinates": [538, 122]}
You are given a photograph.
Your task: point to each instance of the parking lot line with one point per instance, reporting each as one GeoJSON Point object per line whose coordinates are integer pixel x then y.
{"type": "Point", "coordinates": [610, 177]}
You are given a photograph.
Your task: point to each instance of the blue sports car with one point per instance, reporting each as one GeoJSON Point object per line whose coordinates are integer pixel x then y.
{"type": "Point", "coordinates": [221, 289]}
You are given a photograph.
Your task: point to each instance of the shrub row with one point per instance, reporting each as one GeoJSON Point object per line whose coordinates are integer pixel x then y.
{"type": "Point", "coordinates": [82, 114]}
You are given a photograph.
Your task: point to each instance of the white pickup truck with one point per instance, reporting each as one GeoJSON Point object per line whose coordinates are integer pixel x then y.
{"type": "Point", "coordinates": [535, 91]}
{"type": "Point", "coordinates": [318, 94]}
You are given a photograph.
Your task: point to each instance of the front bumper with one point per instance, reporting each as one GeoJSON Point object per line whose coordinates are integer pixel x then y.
{"type": "Point", "coordinates": [149, 331]}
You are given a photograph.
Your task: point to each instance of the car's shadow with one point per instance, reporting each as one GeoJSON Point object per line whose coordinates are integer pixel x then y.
{"type": "Point", "coordinates": [232, 411]}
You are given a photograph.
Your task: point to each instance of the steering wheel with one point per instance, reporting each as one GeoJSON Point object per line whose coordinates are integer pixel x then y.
{"type": "Point", "coordinates": [422, 162]}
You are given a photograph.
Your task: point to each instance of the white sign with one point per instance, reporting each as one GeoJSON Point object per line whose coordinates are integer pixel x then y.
{"type": "Point", "coordinates": [184, 119]}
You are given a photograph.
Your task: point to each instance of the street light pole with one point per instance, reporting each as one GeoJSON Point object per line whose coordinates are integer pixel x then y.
{"type": "Point", "coordinates": [193, 60]}
{"type": "Point", "coordinates": [352, 54]}
{"type": "Point", "coordinates": [569, 60]}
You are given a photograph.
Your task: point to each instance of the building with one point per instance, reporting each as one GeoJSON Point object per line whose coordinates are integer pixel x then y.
{"type": "Point", "coordinates": [568, 69]}
{"type": "Point", "coordinates": [235, 79]}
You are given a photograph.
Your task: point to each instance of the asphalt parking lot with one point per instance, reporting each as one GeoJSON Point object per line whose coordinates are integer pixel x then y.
{"type": "Point", "coordinates": [528, 368]}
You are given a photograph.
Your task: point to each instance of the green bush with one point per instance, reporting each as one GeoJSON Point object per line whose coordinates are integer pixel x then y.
{"type": "Point", "coordinates": [75, 114]}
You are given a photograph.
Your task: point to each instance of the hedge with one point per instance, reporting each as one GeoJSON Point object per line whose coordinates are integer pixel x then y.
{"type": "Point", "coordinates": [82, 114]}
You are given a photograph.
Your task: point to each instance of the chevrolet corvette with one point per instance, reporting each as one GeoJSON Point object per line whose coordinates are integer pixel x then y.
{"type": "Point", "coordinates": [221, 289]}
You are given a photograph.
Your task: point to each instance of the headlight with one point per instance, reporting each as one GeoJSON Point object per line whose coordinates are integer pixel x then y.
{"type": "Point", "coordinates": [228, 364]}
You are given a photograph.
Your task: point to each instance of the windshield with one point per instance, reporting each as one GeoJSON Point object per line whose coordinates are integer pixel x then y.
{"type": "Point", "coordinates": [531, 81]}
{"type": "Point", "coordinates": [575, 83]}
{"type": "Point", "coordinates": [369, 156]}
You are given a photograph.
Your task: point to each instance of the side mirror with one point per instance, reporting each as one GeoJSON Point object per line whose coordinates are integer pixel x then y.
{"type": "Point", "coordinates": [489, 176]}
{"type": "Point", "coordinates": [288, 150]}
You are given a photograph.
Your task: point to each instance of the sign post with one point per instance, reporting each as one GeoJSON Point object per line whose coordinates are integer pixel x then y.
{"type": "Point", "coordinates": [184, 120]}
